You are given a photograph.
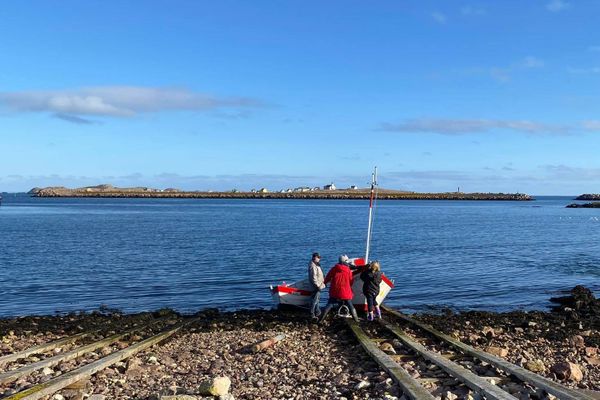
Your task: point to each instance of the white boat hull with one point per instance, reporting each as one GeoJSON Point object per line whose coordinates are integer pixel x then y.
{"type": "Point", "coordinates": [299, 294]}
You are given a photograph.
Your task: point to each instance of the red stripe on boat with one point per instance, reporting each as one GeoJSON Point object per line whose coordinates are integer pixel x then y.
{"type": "Point", "coordinates": [287, 289]}
{"type": "Point", "coordinates": [386, 280]}
{"type": "Point", "coordinates": [359, 262]}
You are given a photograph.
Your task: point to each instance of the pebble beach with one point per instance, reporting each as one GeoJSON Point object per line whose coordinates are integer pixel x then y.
{"type": "Point", "coordinates": [311, 362]}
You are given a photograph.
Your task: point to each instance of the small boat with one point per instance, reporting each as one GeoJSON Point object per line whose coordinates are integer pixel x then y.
{"type": "Point", "coordinates": [299, 293]}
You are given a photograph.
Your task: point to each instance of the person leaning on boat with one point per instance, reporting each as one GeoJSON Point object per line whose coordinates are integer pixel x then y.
{"type": "Point", "coordinates": [340, 289]}
{"type": "Point", "coordinates": [371, 278]}
{"type": "Point", "coordinates": [315, 277]}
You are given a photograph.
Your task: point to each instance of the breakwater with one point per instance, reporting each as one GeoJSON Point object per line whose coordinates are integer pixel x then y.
{"type": "Point", "coordinates": [108, 191]}
{"type": "Point", "coordinates": [595, 204]}
{"type": "Point", "coordinates": [588, 197]}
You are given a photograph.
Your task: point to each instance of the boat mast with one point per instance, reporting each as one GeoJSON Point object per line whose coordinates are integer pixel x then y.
{"type": "Point", "coordinates": [371, 201]}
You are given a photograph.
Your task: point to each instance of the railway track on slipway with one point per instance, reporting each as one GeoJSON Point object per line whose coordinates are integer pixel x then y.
{"type": "Point", "coordinates": [28, 374]}
{"type": "Point", "coordinates": [428, 364]}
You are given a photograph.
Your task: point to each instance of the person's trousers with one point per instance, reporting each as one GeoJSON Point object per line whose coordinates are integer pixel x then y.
{"type": "Point", "coordinates": [371, 302]}
{"type": "Point", "coordinates": [336, 302]}
{"type": "Point", "coordinates": [315, 310]}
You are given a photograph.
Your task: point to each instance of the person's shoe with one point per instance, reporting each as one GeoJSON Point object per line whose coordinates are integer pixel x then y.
{"type": "Point", "coordinates": [379, 313]}
{"type": "Point", "coordinates": [369, 317]}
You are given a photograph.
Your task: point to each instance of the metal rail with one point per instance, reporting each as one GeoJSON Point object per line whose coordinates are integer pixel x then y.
{"type": "Point", "coordinates": [56, 384]}
{"type": "Point", "coordinates": [478, 384]}
{"type": "Point", "coordinates": [11, 376]}
{"type": "Point", "coordinates": [41, 348]}
{"type": "Point", "coordinates": [554, 388]}
{"type": "Point", "coordinates": [411, 387]}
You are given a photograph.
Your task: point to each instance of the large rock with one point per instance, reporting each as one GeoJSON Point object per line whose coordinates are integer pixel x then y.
{"type": "Point", "coordinates": [568, 371]}
{"type": "Point", "coordinates": [591, 351]}
{"type": "Point", "coordinates": [488, 332]}
{"type": "Point", "coordinates": [535, 366]}
{"type": "Point", "coordinates": [388, 348]}
{"type": "Point", "coordinates": [216, 386]}
{"type": "Point", "coordinates": [577, 341]}
{"type": "Point", "coordinates": [497, 351]}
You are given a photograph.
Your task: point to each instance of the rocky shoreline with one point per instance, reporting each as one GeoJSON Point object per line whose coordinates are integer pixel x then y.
{"type": "Point", "coordinates": [312, 361]}
{"type": "Point", "coordinates": [110, 191]}
{"type": "Point", "coordinates": [595, 204]}
{"type": "Point", "coordinates": [588, 197]}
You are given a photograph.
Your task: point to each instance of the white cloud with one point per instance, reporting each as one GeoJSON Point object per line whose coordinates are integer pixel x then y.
{"type": "Point", "coordinates": [591, 125]}
{"type": "Point", "coordinates": [454, 127]}
{"type": "Point", "coordinates": [583, 71]}
{"type": "Point", "coordinates": [564, 172]}
{"type": "Point", "coordinates": [116, 101]}
{"type": "Point", "coordinates": [532, 62]}
{"type": "Point", "coordinates": [439, 17]}
{"type": "Point", "coordinates": [503, 74]}
{"type": "Point", "coordinates": [557, 5]}
{"type": "Point", "coordinates": [471, 10]}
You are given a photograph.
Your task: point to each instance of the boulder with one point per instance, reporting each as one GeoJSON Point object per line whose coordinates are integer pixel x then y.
{"type": "Point", "coordinates": [488, 332]}
{"type": "Point", "coordinates": [216, 386]}
{"type": "Point", "coordinates": [577, 341]}
{"type": "Point", "coordinates": [591, 351]}
{"type": "Point", "coordinates": [362, 385]}
{"type": "Point", "coordinates": [568, 371]}
{"type": "Point", "coordinates": [535, 366]}
{"type": "Point", "coordinates": [448, 395]}
{"type": "Point", "coordinates": [592, 360]}
{"type": "Point", "coordinates": [497, 351]}
{"type": "Point", "coordinates": [388, 348]}
{"type": "Point", "coordinates": [473, 338]}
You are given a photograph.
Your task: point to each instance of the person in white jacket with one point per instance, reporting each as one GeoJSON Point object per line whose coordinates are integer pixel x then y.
{"type": "Point", "coordinates": [315, 278]}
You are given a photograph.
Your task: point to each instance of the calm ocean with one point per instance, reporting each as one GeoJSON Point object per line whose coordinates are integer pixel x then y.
{"type": "Point", "coordinates": [60, 255]}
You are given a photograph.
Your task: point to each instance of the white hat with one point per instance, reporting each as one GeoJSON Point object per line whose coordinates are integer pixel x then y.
{"type": "Point", "coordinates": [343, 258]}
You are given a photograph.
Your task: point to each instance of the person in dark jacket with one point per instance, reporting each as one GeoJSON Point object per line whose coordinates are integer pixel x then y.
{"type": "Point", "coordinates": [340, 289]}
{"type": "Point", "coordinates": [371, 278]}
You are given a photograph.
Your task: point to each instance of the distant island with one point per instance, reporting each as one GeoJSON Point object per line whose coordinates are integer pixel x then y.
{"type": "Point", "coordinates": [595, 204]}
{"type": "Point", "coordinates": [326, 192]}
{"type": "Point", "coordinates": [592, 197]}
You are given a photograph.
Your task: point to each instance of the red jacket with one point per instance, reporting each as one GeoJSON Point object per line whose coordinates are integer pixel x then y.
{"type": "Point", "coordinates": [341, 280]}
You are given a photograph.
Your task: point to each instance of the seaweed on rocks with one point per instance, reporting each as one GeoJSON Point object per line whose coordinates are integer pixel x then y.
{"type": "Point", "coordinates": [580, 303]}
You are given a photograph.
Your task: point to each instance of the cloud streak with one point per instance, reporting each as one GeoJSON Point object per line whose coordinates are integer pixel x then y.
{"type": "Point", "coordinates": [557, 5]}
{"type": "Point", "coordinates": [439, 17]}
{"type": "Point", "coordinates": [117, 101]}
{"type": "Point", "coordinates": [456, 127]}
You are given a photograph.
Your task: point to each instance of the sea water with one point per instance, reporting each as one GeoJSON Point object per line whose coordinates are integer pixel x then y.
{"type": "Point", "coordinates": [62, 255]}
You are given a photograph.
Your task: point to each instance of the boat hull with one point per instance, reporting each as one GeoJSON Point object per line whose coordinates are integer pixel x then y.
{"type": "Point", "coordinates": [299, 294]}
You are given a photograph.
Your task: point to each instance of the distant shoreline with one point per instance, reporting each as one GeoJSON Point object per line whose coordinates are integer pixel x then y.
{"type": "Point", "coordinates": [107, 191]}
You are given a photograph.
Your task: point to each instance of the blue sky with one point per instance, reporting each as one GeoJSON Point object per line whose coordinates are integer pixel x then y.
{"type": "Point", "coordinates": [488, 96]}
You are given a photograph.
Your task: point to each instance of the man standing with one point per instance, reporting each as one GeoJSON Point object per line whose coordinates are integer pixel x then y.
{"type": "Point", "coordinates": [340, 290]}
{"type": "Point", "coordinates": [315, 278]}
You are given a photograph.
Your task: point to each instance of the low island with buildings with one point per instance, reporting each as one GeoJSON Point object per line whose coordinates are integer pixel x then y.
{"type": "Point", "coordinates": [329, 191]}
